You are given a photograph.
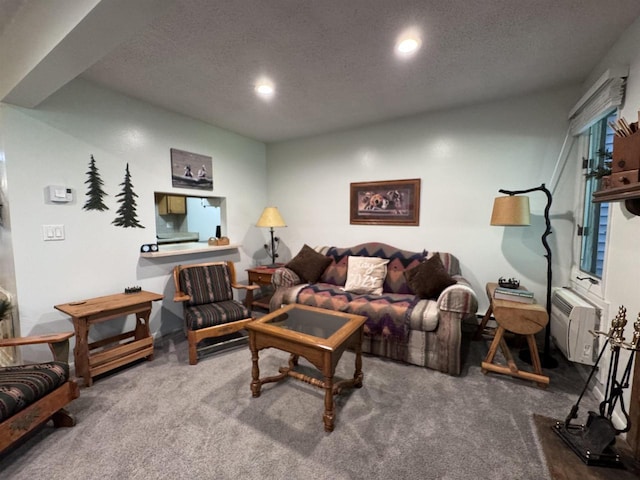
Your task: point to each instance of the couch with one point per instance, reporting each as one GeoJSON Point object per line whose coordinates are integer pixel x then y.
{"type": "Point", "coordinates": [423, 328]}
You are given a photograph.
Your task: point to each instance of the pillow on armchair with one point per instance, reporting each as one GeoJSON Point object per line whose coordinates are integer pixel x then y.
{"type": "Point", "coordinates": [308, 264]}
{"type": "Point", "coordinates": [429, 278]}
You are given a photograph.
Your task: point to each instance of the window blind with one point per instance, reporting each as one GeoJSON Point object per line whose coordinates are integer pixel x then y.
{"type": "Point", "coordinates": [606, 94]}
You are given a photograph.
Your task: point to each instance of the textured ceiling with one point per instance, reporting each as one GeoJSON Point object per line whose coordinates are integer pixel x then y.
{"type": "Point", "coordinates": [333, 64]}
{"type": "Point", "coordinates": [8, 9]}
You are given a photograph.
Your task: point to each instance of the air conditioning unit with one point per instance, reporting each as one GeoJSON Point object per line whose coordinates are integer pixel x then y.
{"type": "Point", "coordinates": [571, 319]}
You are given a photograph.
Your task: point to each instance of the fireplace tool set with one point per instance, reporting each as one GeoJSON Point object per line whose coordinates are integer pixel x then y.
{"type": "Point", "coordinates": [593, 442]}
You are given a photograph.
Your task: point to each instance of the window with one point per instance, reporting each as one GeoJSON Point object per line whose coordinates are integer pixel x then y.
{"type": "Point", "coordinates": [596, 215]}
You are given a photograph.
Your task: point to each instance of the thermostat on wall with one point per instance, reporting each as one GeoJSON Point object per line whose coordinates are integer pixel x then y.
{"type": "Point", "coordinates": [58, 194]}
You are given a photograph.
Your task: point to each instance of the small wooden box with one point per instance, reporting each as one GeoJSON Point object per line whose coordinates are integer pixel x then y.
{"type": "Point", "coordinates": [626, 153]}
{"type": "Point", "coordinates": [214, 242]}
{"type": "Point", "coordinates": [626, 177]}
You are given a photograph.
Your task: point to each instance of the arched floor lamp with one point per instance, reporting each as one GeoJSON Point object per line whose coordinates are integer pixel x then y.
{"type": "Point", "coordinates": [513, 211]}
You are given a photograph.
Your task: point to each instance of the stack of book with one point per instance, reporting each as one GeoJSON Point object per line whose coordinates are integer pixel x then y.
{"type": "Point", "coordinates": [514, 295]}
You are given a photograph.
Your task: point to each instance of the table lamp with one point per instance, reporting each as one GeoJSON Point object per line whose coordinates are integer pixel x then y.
{"type": "Point", "coordinates": [271, 218]}
{"type": "Point", "coordinates": [513, 211]}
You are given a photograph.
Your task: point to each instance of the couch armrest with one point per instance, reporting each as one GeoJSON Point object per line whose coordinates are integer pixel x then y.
{"type": "Point", "coordinates": [58, 343]}
{"type": "Point", "coordinates": [458, 298]}
{"type": "Point", "coordinates": [284, 277]}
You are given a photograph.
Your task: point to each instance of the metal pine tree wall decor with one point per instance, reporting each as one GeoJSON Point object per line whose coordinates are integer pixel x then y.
{"type": "Point", "coordinates": [95, 194]}
{"type": "Point", "coordinates": [126, 214]}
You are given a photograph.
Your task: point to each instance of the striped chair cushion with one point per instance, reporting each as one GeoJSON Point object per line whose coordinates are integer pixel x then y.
{"type": "Point", "coordinates": [206, 284]}
{"type": "Point", "coordinates": [22, 385]}
{"type": "Point", "coordinates": [212, 314]}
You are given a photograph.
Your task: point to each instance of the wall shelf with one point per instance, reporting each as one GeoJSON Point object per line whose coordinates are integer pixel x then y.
{"type": "Point", "coordinates": [617, 194]}
{"type": "Point", "coordinates": [187, 249]}
{"type": "Point", "coordinates": [623, 184]}
{"type": "Point", "coordinates": [629, 194]}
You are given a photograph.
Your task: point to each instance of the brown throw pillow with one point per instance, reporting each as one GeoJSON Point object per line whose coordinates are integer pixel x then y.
{"type": "Point", "coordinates": [429, 279]}
{"type": "Point", "coordinates": [308, 264]}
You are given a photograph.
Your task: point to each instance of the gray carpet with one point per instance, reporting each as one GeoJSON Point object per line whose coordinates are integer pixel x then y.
{"type": "Point", "coordinates": [166, 419]}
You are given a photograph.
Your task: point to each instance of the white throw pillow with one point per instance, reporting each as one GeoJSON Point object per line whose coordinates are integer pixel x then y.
{"type": "Point", "coordinates": [366, 275]}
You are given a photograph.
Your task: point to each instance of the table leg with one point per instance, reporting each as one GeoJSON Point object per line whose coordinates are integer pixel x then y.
{"type": "Point", "coordinates": [142, 327]}
{"type": "Point", "coordinates": [248, 299]}
{"type": "Point", "coordinates": [494, 347]}
{"type": "Point", "coordinates": [357, 374]}
{"type": "Point", "coordinates": [81, 350]}
{"type": "Point", "coordinates": [255, 369]}
{"type": "Point", "coordinates": [483, 324]}
{"type": "Point", "coordinates": [329, 410]}
{"type": "Point", "coordinates": [293, 361]}
{"type": "Point", "coordinates": [535, 358]}
{"type": "Point", "coordinates": [511, 363]}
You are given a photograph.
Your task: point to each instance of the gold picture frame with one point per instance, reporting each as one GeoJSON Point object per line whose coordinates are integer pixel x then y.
{"type": "Point", "coordinates": [392, 202]}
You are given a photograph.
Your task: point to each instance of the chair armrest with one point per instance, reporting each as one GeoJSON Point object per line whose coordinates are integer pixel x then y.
{"type": "Point", "coordinates": [34, 339]}
{"type": "Point", "coordinates": [58, 343]}
{"type": "Point", "coordinates": [458, 298]}
{"type": "Point", "coordinates": [181, 297]}
{"type": "Point", "coordinates": [242, 286]}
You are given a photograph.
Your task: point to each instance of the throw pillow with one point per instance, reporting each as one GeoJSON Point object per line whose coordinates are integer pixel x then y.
{"type": "Point", "coordinates": [429, 278]}
{"type": "Point", "coordinates": [366, 275]}
{"type": "Point", "coordinates": [308, 264]}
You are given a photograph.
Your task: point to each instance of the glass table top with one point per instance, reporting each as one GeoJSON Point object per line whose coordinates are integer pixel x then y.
{"type": "Point", "coordinates": [318, 324]}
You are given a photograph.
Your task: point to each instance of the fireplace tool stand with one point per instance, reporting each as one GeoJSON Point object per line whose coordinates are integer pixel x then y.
{"type": "Point", "coordinates": [593, 442]}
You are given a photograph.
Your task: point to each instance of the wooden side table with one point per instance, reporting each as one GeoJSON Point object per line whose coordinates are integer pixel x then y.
{"type": "Point", "coordinates": [522, 319]}
{"type": "Point", "coordinates": [260, 276]}
{"type": "Point", "coordinates": [95, 358]}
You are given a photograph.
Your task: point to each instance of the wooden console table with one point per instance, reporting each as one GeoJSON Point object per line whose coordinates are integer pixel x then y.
{"type": "Point", "coordinates": [92, 359]}
{"type": "Point", "coordinates": [522, 319]}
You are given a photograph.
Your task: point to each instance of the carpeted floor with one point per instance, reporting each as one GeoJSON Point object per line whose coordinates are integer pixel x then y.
{"type": "Point", "coordinates": [166, 419]}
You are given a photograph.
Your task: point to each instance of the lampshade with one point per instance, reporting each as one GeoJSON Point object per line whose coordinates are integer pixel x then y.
{"type": "Point", "coordinates": [271, 218]}
{"type": "Point", "coordinates": [511, 211]}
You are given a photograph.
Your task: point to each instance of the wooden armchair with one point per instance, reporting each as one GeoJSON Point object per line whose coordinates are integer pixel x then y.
{"type": "Point", "coordinates": [205, 290]}
{"type": "Point", "coordinates": [32, 394]}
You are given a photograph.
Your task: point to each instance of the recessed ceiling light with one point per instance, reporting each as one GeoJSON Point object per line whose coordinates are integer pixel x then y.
{"type": "Point", "coordinates": [408, 43]}
{"type": "Point", "coordinates": [265, 89]}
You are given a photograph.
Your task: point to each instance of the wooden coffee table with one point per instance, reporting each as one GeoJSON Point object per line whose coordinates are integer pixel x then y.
{"type": "Point", "coordinates": [320, 336]}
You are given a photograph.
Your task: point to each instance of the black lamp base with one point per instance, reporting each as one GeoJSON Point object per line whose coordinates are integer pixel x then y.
{"type": "Point", "coordinates": [547, 361]}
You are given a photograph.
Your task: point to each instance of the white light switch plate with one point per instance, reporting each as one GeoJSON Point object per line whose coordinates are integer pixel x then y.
{"type": "Point", "coordinates": [52, 232]}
